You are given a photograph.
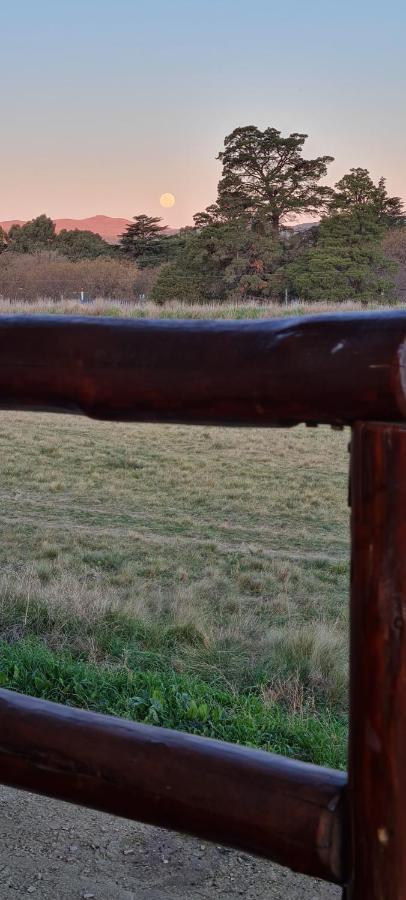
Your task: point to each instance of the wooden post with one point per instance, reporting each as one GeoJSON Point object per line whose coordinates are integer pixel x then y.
{"type": "Point", "coordinates": [377, 756]}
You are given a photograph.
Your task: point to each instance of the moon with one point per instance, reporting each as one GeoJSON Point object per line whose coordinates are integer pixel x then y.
{"type": "Point", "coordinates": [167, 200]}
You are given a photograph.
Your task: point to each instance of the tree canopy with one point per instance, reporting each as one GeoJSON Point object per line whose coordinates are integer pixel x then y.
{"type": "Point", "coordinates": [38, 234]}
{"type": "Point", "coordinates": [266, 180]}
{"type": "Point", "coordinates": [144, 241]}
{"type": "Point", "coordinates": [357, 191]}
{"type": "Point", "coordinates": [227, 261]}
{"type": "Point", "coordinates": [346, 263]}
{"type": "Point", "coordinates": [77, 244]}
{"type": "Point", "coordinates": [3, 240]}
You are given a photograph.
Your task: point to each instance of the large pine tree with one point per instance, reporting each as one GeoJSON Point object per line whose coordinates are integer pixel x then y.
{"type": "Point", "coordinates": [266, 180]}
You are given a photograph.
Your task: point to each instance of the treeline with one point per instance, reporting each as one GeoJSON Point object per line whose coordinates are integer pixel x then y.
{"type": "Point", "coordinates": [40, 235]}
{"type": "Point", "coordinates": [42, 264]}
{"type": "Point", "coordinates": [244, 246]}
{"type": "Point", "coordinates": [36, 262]}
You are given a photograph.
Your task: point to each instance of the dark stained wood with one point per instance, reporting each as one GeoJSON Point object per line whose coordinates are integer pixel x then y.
{"type": "Point", "coordinates": [281, 809]}
{"type": "Point", "coordinates": [321, 369]}
{"type": "Point", "coordinates": [377, 761]}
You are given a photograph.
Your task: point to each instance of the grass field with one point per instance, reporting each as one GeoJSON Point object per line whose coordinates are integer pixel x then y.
{"type": "Point", "coordinates": [192, 577]}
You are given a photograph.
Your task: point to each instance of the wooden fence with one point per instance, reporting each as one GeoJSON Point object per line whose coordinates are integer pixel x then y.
{"type": "Point", "coordinates": [338, 370]}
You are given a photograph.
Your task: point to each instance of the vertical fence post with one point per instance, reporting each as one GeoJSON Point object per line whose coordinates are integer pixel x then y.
{"type": "Point", "coordinates": [377, 753]}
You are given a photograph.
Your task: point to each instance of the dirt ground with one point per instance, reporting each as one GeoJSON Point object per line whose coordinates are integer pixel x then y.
{"type": "Point", "coordinates": [55, 851]}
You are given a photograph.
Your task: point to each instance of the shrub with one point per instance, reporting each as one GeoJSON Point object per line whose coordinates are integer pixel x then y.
{"type": "Point", "coordinates": [49, 275]}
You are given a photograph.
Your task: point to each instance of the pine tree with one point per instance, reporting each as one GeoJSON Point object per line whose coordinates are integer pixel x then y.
{"type": "Point", "coordinates": [356, 191]}
{"type": "Point", "coordinates": [266, 179]}
{"type": "Point", "coordinates": [346, 263]}
{"type": "Point", "coordinates": [144, 240]}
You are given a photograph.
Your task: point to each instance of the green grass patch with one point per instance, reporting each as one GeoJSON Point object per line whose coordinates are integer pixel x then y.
{"type": "Point", "coordinates": [172, 700]}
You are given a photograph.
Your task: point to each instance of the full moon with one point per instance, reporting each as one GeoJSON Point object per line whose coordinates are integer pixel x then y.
{"type": "Point", "coordinates": [167, 200]}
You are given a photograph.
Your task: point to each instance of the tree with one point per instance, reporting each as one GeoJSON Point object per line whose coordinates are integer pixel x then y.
{"type": "Point", "coordinates": [221, 262]}
{"type": "Point", "coordinates": [78, 244]}
{"type": "Point", "coordinates": [213, 215]}
{"type": "Point", "coordinates": [38, 234]}
{"type": "Point", "coordinates": [144, 240]}
{"type": "Point", "coordinates": [265, 179]}
{"type": "Point", "coordinates": [394, 247]}
{"type": "Point", "coordinates": [346, 263]}
{"type": "Point", "coordinates": [356, 191]}
{"type": "Point", "coordinates": [3, 240]}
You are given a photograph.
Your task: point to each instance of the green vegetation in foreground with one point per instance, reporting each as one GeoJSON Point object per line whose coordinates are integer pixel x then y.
{"type": "Point", "coordinates": [172, 701]}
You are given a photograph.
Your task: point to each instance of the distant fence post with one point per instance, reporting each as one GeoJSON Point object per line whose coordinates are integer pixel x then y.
{"type": "Point", "coordinates": [377, 757]}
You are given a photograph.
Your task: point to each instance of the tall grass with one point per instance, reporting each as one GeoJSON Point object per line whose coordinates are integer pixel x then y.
{"type": "Point", "coordinates": [128, 308]}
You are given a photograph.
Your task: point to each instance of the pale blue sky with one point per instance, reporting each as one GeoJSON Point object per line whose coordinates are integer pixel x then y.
{"type": "Point", "coordinates": [106, 105]}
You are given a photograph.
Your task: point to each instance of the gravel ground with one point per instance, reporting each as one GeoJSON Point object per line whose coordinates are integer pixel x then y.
{"type": "Point", "coordinates": [56, 851]}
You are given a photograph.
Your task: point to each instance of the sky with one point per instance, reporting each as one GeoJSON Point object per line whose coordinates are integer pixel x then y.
{"type": "Point", "coordinates": [107, 104]}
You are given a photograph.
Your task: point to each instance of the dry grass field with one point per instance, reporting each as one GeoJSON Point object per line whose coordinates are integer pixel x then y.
{"type": "Point", "coordinates": [216, 554]}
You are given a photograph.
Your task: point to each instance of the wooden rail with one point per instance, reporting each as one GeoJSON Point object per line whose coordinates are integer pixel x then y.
{"type": "Point", "coordinates": [339, 370]}
{"type": "Point", "coordinates": [325, 369]}
{"type": "Point", "coordinates": [256, 801]}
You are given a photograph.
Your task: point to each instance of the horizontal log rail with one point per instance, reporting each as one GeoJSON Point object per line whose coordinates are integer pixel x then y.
{"type": "Point", "coordinates": [284, 810]}
{"type": "Point", "coordinates": [326, 369]}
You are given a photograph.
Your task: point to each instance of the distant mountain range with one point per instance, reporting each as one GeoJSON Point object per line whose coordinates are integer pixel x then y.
{"type": "Point", "coordinates": [107, 226]}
